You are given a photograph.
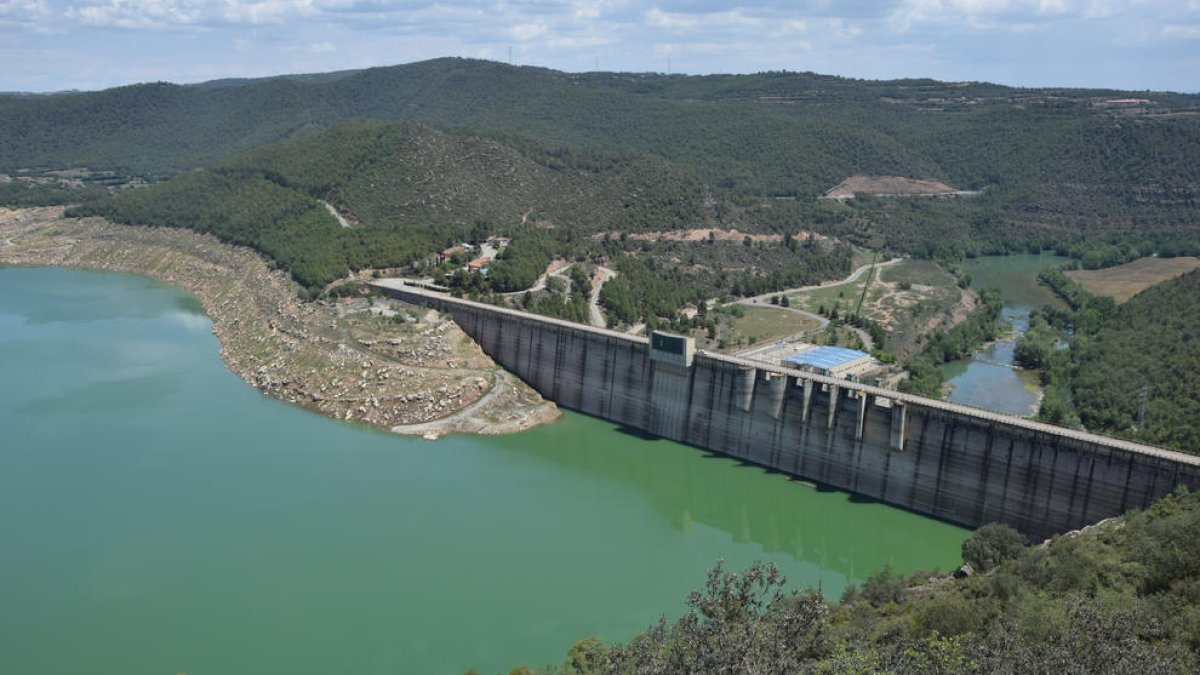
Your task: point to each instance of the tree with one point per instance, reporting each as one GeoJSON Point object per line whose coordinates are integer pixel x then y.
{"type": "Point", "coordinates": [991, 545]}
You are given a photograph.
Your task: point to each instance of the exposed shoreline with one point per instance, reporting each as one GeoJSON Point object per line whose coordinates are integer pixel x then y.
{"type": "Point", "coordinates": [377, 362]}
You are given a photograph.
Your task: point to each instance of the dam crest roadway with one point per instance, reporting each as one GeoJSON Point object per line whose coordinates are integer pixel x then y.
{"type": "Point", "coordinates": [959, 463]}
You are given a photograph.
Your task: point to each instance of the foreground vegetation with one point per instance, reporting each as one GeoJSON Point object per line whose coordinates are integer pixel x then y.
{"type": "Point", "coordinates": [1120, 597]}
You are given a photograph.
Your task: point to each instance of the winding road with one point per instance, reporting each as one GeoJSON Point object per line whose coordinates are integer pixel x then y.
{"type": "Point", "coordinates": [334, 212]}
{"type": "Point", "coordinates": [868, 343]}
{"type": "Point", "coordinates": [541, 281]}
{"type": "Point", "coordinates": [596, 314]}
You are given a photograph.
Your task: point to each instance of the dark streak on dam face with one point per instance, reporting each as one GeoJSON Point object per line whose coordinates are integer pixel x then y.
{"type": "Point", "coordinates": [964, 465]}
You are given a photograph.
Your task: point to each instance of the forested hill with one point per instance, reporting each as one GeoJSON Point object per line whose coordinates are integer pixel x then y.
{"type": "Point", "coordinates": [411, 191]}
{"type": "Point", "coordinates": [409, 175]}
{"type": "Point", "coordinates": [1056, 166]}
{"type": "Point", "coordinates": [1152, 341]}
{"type": "Point", "coordinates": [785, 133]}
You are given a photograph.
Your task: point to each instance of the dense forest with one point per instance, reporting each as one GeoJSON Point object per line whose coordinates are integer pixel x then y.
{"type": "Point", "coordinates": [1129, 369]}
{"type": "Point", "coordinates": [411, 191]}
{"type": "Point", "coordinates": [1123, 597]}
{"type": "Point", "coordinates": [1147, 351]}
{"type": "Point", "coordinates": [1063, 168]}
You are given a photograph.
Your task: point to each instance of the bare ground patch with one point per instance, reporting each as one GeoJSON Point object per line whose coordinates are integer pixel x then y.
{"type": "Point", "coordinates": [888, 185]}
{"type": "Point", "coordinates": [1125, 281]}
{"type": "Point", "coordinates": [702, 234]}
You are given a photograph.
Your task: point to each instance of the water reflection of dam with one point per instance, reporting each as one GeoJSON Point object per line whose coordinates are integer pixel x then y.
{"type": "Point", "coordinates": [962, 464]}
{"type": "Point", "coordinates": [822, 529]}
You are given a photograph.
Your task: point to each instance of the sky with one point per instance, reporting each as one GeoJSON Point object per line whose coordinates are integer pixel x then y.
{"type": "Point", "coordinates": [52, 45]}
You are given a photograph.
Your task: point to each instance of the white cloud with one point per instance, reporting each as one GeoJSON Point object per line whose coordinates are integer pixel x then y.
{"type": "Point", "coordinates": [841, 29]}
{"type": "Point", "coordinates": [525, 32]}
{"type": "Point", "coordinates": [158, 14]}
{"type": "Point", "coordinates": [137, 13]}
{"type": "Point", "coordinates": [264, 11]}
{"type": "Point", "coordinates": [727, 21]}
{"type": "Point", "coordinates": [22, 11]}
{"type": "Point", "coordinates": [580, 42]}
{"type": "Point", "coordinates": [1023, 15]}
{"type": "Point", "coordinates": [1191, 32]}
{"type": "Point", "coordinates": [1073, 41]}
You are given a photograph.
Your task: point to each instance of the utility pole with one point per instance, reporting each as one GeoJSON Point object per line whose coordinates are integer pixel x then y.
{"type": "Point", "coordinates": [870, 274]}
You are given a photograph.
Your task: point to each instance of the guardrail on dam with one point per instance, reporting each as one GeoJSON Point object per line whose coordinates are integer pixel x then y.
{"type": "Point", "coordinates": [962, 464]}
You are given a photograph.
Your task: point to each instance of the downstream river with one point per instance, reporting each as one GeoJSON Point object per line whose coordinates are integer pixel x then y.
{"type": "Point", "coordinates": [158, 515]}
{"type": "Point", "coordinates": [989, 379]}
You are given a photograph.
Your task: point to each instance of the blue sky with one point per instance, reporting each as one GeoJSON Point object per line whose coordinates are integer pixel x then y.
{"type": "Point", "coordinates": [89, 44]}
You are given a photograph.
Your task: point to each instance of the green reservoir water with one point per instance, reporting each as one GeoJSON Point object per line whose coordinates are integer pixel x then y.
{"type": "Point", "coordinates": [988, 379]}
{"type": "Point", "coordinates": [158, 515]}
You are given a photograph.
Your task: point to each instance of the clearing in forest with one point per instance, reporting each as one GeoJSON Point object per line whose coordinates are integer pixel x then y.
{"type": "Point", "coordinates": [909, 299]}
{"type": "Point", "coordinates": [1125, 281]}
{"type": "Point", "coordinates": [889, 186]}
{"type": "Point", "coordinates": [761, 324]}
{"type": "Point", "coordinates": [704, 234]}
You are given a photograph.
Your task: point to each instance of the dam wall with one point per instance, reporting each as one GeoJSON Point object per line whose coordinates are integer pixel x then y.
{"type": "Point", "coordinates": [954, 462]}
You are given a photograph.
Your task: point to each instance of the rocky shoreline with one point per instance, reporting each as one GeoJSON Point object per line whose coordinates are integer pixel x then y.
{"type": "Point", "coordinates": [364, 359]}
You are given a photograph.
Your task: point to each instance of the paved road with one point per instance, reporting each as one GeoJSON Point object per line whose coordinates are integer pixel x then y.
{"type": "Point", "coordinates": [594, 302]}
{"type": "Point", "coordinates": [980, 413]}
{"type": "Point", "coordinates": [541, 282]}
{"type": "Point", "coordinates": [765, 299]}
{"type": "Point", "coordinates": [333, 212]}
{"type": "Point", "coordinates": [911, 399]}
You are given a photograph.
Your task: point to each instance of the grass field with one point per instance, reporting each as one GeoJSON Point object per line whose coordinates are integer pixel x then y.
{"type": "Point", "coordinates": [1125, 281]}
{"type": "Point", "coordinates": [770, 323]}
{"type": "Point", "coordinates": [917, 273]}
{"type": "Point", "coordinates": [923, 276]}
{"type": "Point", "coordinates": [844, 297]}
{"type": "Point", "coordinates": [908, 299]}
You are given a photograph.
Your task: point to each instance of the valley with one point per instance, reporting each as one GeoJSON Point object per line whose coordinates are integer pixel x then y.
{"type": "Point", "coordinates": [971, 301]}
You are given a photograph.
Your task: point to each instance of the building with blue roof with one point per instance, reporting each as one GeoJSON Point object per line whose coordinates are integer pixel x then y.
{"type": "Point", "coordinates": [831, 361]}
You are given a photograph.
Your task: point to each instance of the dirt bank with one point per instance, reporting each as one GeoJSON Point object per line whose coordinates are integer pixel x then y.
{"type": "Point", "coordinates": [374, 361]}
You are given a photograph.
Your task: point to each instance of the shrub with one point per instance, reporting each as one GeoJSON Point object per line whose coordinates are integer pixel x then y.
{"type": "Point", "coordinates": [991, 545]}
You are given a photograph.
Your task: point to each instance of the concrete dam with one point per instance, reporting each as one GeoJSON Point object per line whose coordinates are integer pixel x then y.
{"type": "Point", "coordinates": [961, 464]}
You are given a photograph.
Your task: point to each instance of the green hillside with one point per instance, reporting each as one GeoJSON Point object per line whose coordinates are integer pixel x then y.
{"type": "Point", "coordinates": [1058, 166]}
{"type": "Point", "coordinates": [1152, 341]}
{"type": "Point", "coordinates": [407, 175]}
{"type": "Point", "coordinates": [412, 191]}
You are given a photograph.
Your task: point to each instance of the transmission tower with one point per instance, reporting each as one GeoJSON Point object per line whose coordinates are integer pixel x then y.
{"type": "Point", "coordinates": [1142, 398]}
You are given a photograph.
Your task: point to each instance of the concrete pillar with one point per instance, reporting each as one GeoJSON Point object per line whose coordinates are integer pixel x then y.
{"type": "Point", "coordinates": [834, 394]}
{"type": "Point", "coordinates": [745, 387]}
{"type": "Point", "coordinates": [862, 415]}
{"type": "Point", "coordinates": [808, 387]}
{"type": "Point", "coordinates": [778, 389]}
{"type": "Point", "coordinates": [899, 425]}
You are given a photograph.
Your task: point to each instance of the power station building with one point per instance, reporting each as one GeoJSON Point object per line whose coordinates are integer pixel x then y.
{"type": "Point", "coordinates": [838, 362]}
